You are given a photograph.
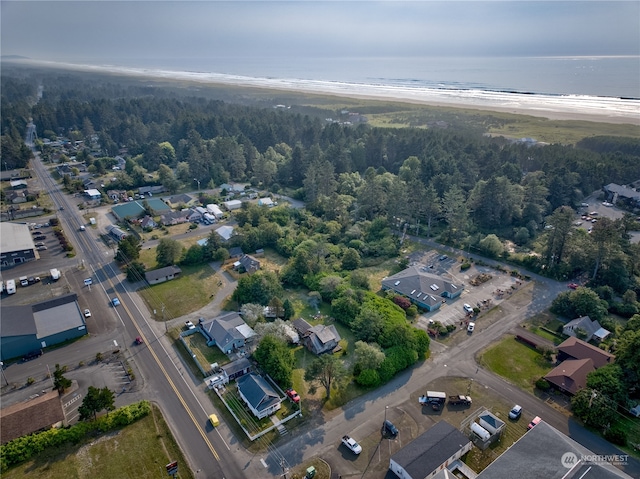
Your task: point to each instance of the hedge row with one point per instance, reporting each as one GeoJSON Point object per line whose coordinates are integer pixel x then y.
{"type": "Point", "coordinates": [24, 448]}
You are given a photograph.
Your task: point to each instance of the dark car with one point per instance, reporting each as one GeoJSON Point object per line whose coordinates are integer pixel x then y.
{"type": "Point", "coordinates": [41, 237]}
{"type": "Point", "coordinates": [32, 355]}
{"type": "Point", "coordinates": [389, 428]}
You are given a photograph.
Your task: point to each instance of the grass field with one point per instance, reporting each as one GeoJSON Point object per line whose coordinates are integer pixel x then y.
{"type": "Point", "coordinates": [138, 451]}
{"type": "Point", "coordinates": [516, 362]}
{"type": "Point", "coordinates": [194, 288]}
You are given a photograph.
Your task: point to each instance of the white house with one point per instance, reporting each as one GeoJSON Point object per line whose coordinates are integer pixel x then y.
{"type": "Point", "coordinates": [93, 194]}
{"type": "Point", "coordinates": [232, 205]}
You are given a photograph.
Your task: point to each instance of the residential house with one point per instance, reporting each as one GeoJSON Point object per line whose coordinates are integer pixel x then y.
{"type": "Point", "coordinates": [229, 372]}
{"type": "Point", "coordinates": [65, 170]}
{"type": "Point", "coordinates": [318, 339]}
{"type": "Point", "coordinates": [162, 275]}
{"type": "Point", "coordinates": [570, 376]}
{"type": "Point", "coordinates": [574, 348]}
{"type": "Point", "coordinates": [576, 359]}
{"type": "Point", "coordinates": [429, 454]}
{"type": "Point", "coordinates": [117, 195]}
{"type": "Point", "coordinates": [229, 332]}
{"type": "Point", "coordinates": [177, 200]}
{"type": "Point", "coordinates": [93, 194]}
{"type": "Point", "coordinates": [425, 290]}
{"type": "Point", "coordinates": [585, 328]}
{"type": "Point", "coordinates": [116, 232]}
{"type": "Point", "coordinates": [247, 264]}
{"type": "Point", "coordinates": [151, 190]}
{"type": "Point", "coordinates": [196, 215]}
{"type": "Point", "coordinates": [258, 395]}
{"type": "Point", "coordinates": [265, 202]}
{"type": "Point", "coordinates": [235, 252]}
{"type": "Point", "coordinates": [17, 197]}
{"type": "Point", "coordinates": [174, 217]}
{"type": "Point", "coordinates": [18, 184]}
{"type": "Point", "coordinates": [147, 222]}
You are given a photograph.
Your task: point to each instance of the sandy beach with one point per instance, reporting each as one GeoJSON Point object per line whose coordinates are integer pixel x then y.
{"type": "Point", "coordinates": [553, 107]}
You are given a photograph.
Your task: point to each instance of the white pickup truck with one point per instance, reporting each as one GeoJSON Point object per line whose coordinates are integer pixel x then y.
{"type": "Point", "coordinates": [351, 444]}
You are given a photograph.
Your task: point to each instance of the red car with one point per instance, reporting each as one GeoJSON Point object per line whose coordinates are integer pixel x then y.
{"type": "Point", "coordinates": [293, 395]}
{"type": "Point", "coordinates": [572, 285]}
{"type": "Point", "coordinates": [139, 340]}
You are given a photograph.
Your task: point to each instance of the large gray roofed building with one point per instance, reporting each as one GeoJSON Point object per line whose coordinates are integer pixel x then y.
{"type": "Point", "coordinates": [27, 328]}
{"type": "Point", "coordinates": [540, 453]}
{"type": "Point", "coordinates": [16, 244]}
{"type": "Point", "coordinates": [439, 445]}
{"type": "Point", "coordinates": [424, 289]}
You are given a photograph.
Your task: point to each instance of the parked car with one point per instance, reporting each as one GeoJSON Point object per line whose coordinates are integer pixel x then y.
{"type": "Point", "coordinates": [87, 313]}
{"type": "Point", "coordinates": [293, 395]}
{"type": "Point", "coordinates": [40, 237]}
{"type": "Point", "coordinates": [36, 353]}
{"type": "Point", "coordinates": [389, 428]}
{"type": "Point", "coordinates": [443, 257]}
{"type": "Point", "coordinates": [115, 302]}
{"type": "Point", "coordinates": [41, 248]}
{"type": "Point", "coordinates": [471, 327]}
{"type": "Point", "coordinates": [534, 422]}
{"type": "Point", "coordinates": [467, 308]}
{"type": "Point", "coordinates": [39, 244]}
{"type": "Point", "coordinates": [572, 286]}
{"type": "Point", "coordinates": [189, 325]}
{"type": "Point", "coordinates": [515, 412]}
{"type": "Point", "coordinates": [351, 444]}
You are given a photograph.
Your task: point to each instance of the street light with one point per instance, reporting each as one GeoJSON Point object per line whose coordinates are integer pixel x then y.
{"type": "Point", "coordinates": [385, 413]}
{"type": "Point", "coordinates": [196, 179]}
{"type": "Point", "coordinates": [5, 377]}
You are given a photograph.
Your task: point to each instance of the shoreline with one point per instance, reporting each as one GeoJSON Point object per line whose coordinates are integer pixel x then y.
{"type": "Point", "coordinates": [577, 108]}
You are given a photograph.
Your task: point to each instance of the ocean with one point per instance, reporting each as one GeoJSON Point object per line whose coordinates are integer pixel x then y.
{"type": "Point", "coordinates": [562, 87]}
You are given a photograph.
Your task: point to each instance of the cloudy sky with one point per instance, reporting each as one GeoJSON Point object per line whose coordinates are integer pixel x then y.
{"type": "Point", "coordinates": [94, 31]}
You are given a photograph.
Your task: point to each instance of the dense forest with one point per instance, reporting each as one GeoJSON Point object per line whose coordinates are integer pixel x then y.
{"type": "Point", "coordinates": [469, 190]}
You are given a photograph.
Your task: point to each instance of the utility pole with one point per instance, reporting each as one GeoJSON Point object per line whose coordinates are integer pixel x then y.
{"type": "Point", "coordinates": [196, 179]}
{"type": "Point", "coordinates": [166, 328]}
{"type": "Point", "coordinates": [5, 377]}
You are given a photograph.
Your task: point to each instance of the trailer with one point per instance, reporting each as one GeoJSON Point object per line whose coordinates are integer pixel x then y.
{"type": "Point", "coordinates": [460, 399]}
{"type": "Point", "coordinates": [11, 286]}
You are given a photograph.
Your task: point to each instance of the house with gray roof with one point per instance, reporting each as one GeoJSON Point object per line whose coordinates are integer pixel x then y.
{"type": "Point", "coordinates": [174, 217]}
{"type": "Point", "coordinates": [318, 339]}
{"type": "Point", "coordinates": [423, 289]}
{"type": "Point", "coordinates": [247, 264]}
{"type": "Point", "coordinates": [430, 453]}
{"type": "Point", "coordinates": [27, 328]}
{"type": "Point", "coordinates": [161, 275]}
{"type": "Point", "coordinates": [228, 331]}
{"type": "Point", "coordinates": [585, 328]}
{"type": "Point", "coordinates": [258, 395]}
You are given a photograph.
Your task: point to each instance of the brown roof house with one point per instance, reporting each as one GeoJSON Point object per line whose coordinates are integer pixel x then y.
{"type": "Point", "coordinates": [571, 375]}
{"type": "Point", "coordinates": [574, 348]}
{"type": "Point", "coordinates": [318, 339]}
{"type": "Point", "coordinates": [577, 359]}
{"type": "Point", "coordinates": [20, 419]}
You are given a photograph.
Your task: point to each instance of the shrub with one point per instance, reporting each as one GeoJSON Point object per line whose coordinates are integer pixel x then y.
{"type": "Point", "coordinates": [368, 378]}
{"type": "Point", "coordinates": [543, 384]}
{"type": "Point", "coordinates": [616, 436]}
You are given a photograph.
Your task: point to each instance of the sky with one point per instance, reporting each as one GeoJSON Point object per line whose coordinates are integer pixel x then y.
{"type": "Point", "coordinates": [104, 31]}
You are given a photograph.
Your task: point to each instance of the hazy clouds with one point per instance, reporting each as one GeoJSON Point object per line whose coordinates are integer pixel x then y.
{"type": "Point", "coordinates": [111, 30]}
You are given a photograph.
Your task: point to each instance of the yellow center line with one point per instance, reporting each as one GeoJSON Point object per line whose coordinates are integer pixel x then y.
{"type": "Point", "coordinates": [166, 375]}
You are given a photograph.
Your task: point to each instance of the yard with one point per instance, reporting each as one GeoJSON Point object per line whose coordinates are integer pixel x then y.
{"type": "Point", "coordinates": [516, 362]}
{"type": "Point", "coordinates": [193, 289]}
{"type": "Point", "coordinates": [205, 354]}
{"type": "Point", "coordinates": [140, 450]}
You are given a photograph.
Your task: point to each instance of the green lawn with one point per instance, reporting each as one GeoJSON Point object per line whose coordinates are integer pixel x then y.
{"type": "Point", "coordinates": [138, 451]}
{"type": "Point", "coordinates": [517, 362]}
{"type": "Point", "coordinates": [194, 288]}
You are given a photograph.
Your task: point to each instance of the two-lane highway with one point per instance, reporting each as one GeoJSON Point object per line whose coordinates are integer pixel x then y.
{"type": "Point", "coordinates": [165, 383]}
